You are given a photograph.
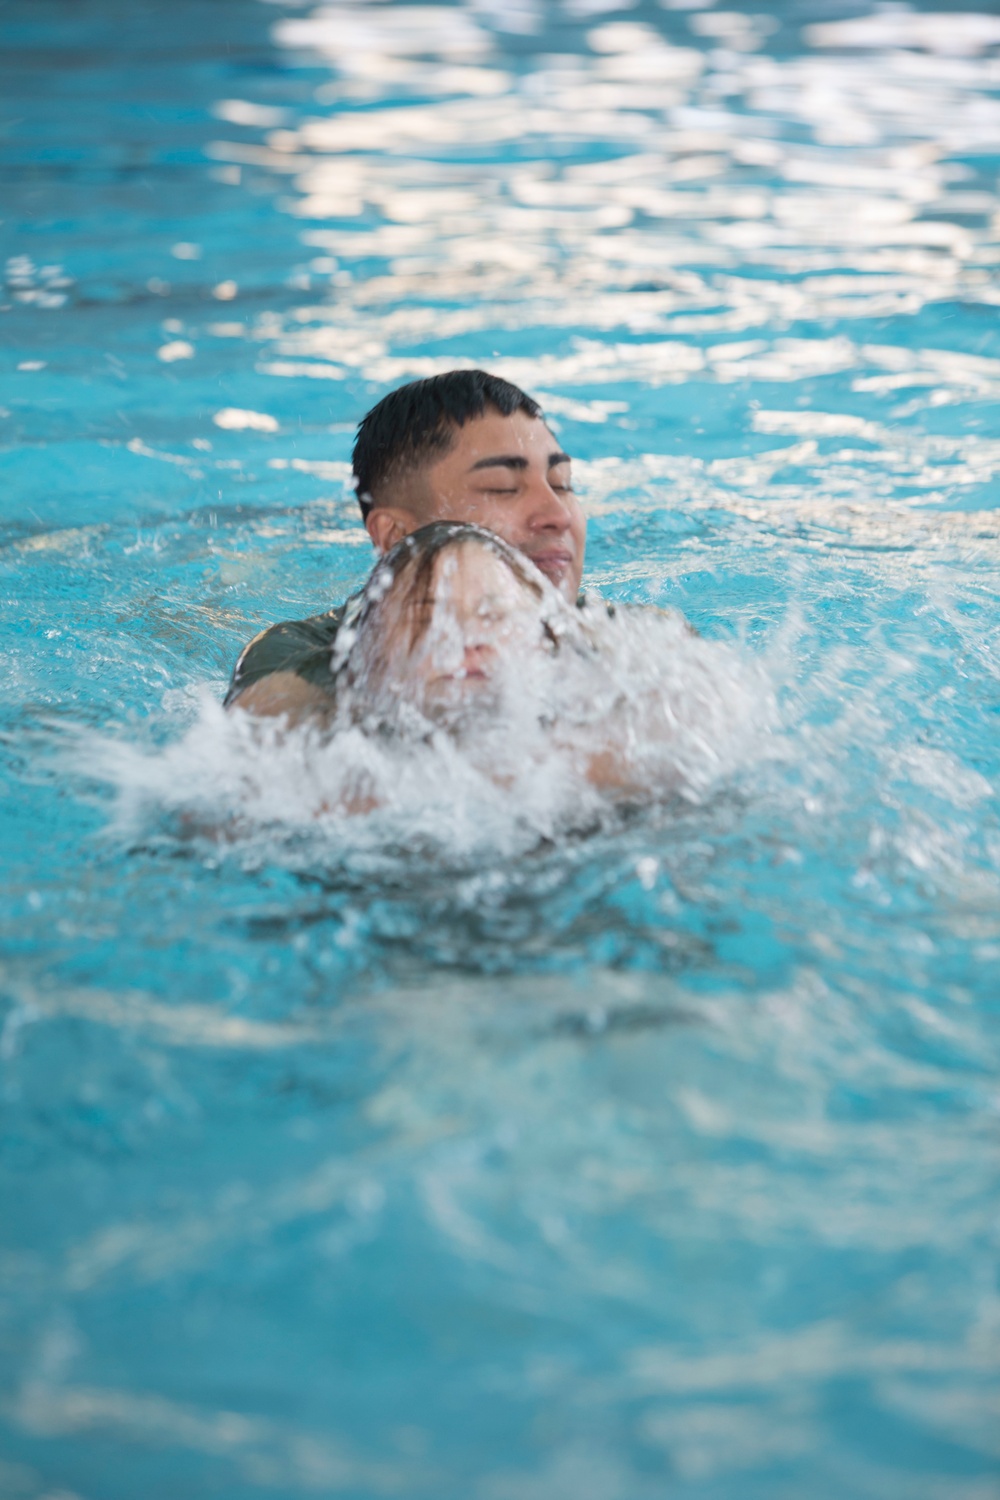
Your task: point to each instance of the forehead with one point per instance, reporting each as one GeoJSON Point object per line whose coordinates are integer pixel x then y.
{"type": "Point", "coordinates": [459, 572]}
{"type": "Point", "coordinates": [493, 435]}
{"type": "Point", "coordinates": [470, 567]}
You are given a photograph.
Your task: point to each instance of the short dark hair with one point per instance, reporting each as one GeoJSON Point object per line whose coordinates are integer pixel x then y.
{"type": "Point", "coordinates": [417, 422]}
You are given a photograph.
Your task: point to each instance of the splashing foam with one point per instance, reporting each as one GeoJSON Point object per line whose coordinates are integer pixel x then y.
{"type": "Point", "coordinates": [675, 716]}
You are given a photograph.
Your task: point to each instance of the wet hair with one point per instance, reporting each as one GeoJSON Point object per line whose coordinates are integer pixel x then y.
{"type": "Point", "coordinates": [417, 423]}
{"type": "Point", "coordinates": [370, 678]}
{"type": "Point", "coordinates": [411, 564]}
{"type": "Point", "coordinates": [417, 555]}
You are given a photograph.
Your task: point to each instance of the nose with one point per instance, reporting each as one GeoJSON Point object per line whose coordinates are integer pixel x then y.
{"type": "Point", "coordinates": [550, 511]}
{"type": "Point", "coordinates": [477, 659]}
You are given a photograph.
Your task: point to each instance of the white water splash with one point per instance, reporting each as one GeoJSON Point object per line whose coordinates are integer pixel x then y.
{"type": "Point", "coordinates": [678, 714]}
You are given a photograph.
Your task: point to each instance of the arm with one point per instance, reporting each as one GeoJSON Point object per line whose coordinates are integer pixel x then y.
{"type": "Point", "coordinates": [284, 694]}
{"type": "Point", "coordinates": [285, 671]}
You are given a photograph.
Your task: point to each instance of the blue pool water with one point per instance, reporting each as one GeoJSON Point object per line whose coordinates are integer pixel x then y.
{"type": "Point", "coordinates": [467, 1153]}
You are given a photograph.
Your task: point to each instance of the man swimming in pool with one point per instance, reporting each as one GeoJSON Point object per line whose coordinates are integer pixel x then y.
{"type": "Point", "coordinates": [465, 446]}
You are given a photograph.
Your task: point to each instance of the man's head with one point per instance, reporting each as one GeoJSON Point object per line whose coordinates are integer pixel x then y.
{"type": "Point", "coordinates": [467, 446]}
{"type": "Point", "coordinates": [446, 618]}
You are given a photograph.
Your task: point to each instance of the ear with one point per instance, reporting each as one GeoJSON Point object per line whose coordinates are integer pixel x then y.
{"type": "Point", "coordinates": [388, 524]}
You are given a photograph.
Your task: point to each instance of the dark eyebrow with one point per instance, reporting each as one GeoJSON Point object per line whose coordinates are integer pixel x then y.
{"type": "Point", "coordinates": [516, 461]}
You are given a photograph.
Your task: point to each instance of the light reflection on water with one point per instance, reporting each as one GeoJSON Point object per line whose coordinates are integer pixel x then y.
{"type": "Point", "coordinates": [450, 1160]}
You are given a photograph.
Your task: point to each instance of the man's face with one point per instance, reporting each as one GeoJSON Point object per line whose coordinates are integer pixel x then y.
{"type": "Point", "coordinates": [507, 474]}
{"type": "Point", "coordinates": [450, 643]}
{"type": "Point", "coordinates": [475, 616]}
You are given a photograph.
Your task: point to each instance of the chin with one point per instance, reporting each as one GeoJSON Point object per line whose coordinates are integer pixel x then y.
{"type": "Point", "coordinates": [452, 698]}
{"type": "Point", "coordinates": [450, 690]}
{"type": "Point", "coordinates": [565, 586]}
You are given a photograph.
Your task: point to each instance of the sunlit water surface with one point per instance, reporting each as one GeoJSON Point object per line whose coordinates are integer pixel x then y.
{"type": "Point", "coordinates": [503, 1144]}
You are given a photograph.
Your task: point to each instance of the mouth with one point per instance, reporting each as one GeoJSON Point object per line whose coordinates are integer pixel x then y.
{"type": "Point", "coordinates": [555, 563]}
{"type": "Point", "coordinates": [466, 674]}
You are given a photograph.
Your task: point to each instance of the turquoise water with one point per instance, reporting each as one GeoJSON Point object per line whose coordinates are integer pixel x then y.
{"type": "Point", "coordinates": [475, 1150]}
